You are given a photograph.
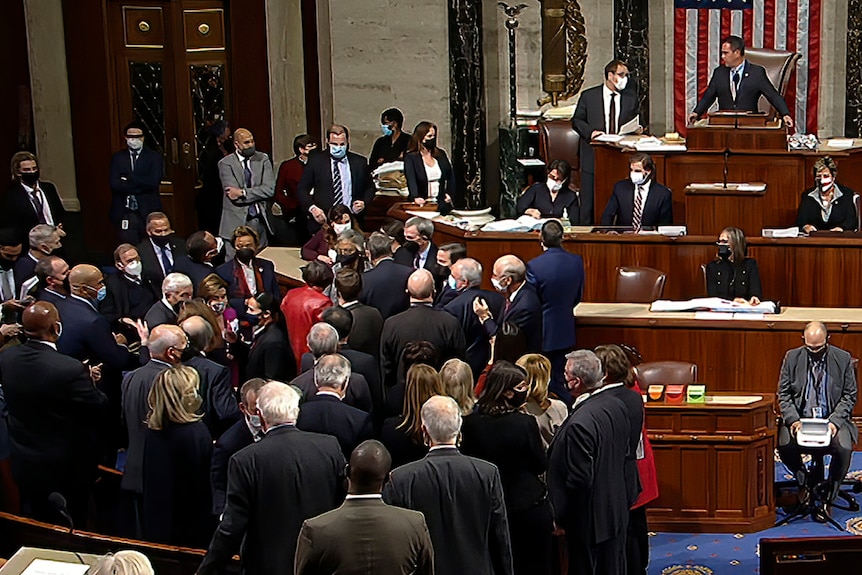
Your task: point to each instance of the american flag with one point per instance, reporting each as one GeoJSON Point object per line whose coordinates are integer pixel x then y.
{"type": "Point", "coordinates": [792, 25]}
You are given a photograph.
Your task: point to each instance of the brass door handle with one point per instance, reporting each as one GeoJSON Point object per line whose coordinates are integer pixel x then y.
{"type": "Point", "coordinates": [175, 158]}
{"type": "Point", "coordinates": [187, 155]}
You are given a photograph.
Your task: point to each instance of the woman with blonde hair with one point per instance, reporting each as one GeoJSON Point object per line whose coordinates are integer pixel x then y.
{"type": "Point", "coordinates": [126, 562]}
{"type": "Point", "coordinates": [402, 435]}
{"type": "Point", "coordinates": [549, 413]}
{"type": "Point", "coordinates": [177, 453]}
{"type": "Point", "coordinates": [457, 379]}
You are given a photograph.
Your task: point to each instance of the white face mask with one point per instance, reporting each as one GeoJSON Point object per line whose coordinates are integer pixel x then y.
{"type": "Point", "coordinates": [637, 178]}
{"type": "Point", "coordinates": [339, 228]}
{"type": "Point", "coordinates": [553, 185]}
{"type": "Point", "coordinates": [497, 285]}
{"type": "Point", "coordinates": [826, 183]}
{"type": "Point", "coordinates": [134, 143]}
{"type": "Point", "coordinates": [621, 83]}
{"type": "Point", "coordinates": [133, 268]}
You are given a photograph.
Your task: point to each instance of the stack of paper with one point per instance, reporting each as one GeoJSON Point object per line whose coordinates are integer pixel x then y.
{"type": "Point", "coordinates": [714, 304]}
{"type": "Point", "coordinates": [780, 232]}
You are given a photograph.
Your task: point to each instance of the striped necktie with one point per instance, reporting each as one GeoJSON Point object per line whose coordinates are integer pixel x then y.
{"type": "Point", "coordinates": [639, 208]}
{"type": "Point", "coordinates": [337, 186]}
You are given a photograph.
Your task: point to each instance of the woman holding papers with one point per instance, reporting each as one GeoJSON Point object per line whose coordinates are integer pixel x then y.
{"type": "Point", "coordinates": [732, 275]}
{"type": "Point", "coordinates": [826, 206]}
{"type": "Point", "coordinates": [551, 198]}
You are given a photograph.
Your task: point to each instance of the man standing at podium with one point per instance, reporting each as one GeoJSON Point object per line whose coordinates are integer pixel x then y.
{"type": "Point", "coordinates": [601, 110]}
{"type": "Point", "coordinates": [738, 84]}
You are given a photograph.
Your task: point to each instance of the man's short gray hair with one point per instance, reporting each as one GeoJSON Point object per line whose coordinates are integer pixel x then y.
{"type": "Point", "coordinates": [513, 266]}
{"type": "Point", "coordinates": [379, 246]}
{"type": "Point", "coordinates": [471, 271]}
{"type": "Point", "coordinates": [40, 234]}
{"type": "Point", "coordinates": [424, 226]}
{"type": "Point", "coordinates": [278, 403]}
{"type": "Point", "coordinates": [333, 371]}
{"type": "Point", "coordinates": [441, 417]}
{"type": "Point", "coordinates": [174, 282]}
{"type": "Point", "coordinates": [587, 366]}
{"type": "Point", "coordinates": [322, 339]}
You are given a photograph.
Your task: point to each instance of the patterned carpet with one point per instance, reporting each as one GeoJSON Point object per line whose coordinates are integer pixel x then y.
{"type": "Point", "coordinates": [720, 553]}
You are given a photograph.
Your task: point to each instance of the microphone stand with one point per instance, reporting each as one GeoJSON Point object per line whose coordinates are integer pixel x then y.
{"type": "Point", "coordinates": [726, 158]}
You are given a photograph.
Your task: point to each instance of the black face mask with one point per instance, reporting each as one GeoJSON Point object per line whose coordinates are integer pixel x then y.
{"type": "Point", "coordinates": [817, 355]}
{"type": "Point", "coordinates": [245, 255]}
{"type": "Point", "coordinates": [430, 144]}
{"type": "Point", "coordinates": [724, 252]}
{"type": "Point", "coordinates": [6, 264]}
{"type": "Point", "coordinates": [247, 153]}
{"type": "Point", "coordinates": [178, 307]}
{"type": "Point", "coordinates": [29, 178]}
{"type": "Point", "coordinates": [346, 259]}
{"type": "Point", "coordinates": [411, 246]}
{"type": "Point", "coordinates": [161, 241]}
{"type": "Point", "coordinates": [518, 398]}
{"type": "Point", "coordinates": [188, 353]}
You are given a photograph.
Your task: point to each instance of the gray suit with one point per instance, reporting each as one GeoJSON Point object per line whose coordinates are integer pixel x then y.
{"type": "Point", "coordinates": [235, 212]}
{"type": "Point", "coordinates": [365, 536]}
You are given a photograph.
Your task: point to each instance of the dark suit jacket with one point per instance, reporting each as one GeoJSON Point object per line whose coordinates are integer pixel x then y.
{"type": "Point", "coordinates": [273, 486]}
{"type": "Point", "coordinates": [87, 335]}
{"type": "Point", "coordinates": [236, 292]}
{"type": "Point", "coordinates": [462, 500]}
{"type": "Point", "coordinates": [419, 323]}
{"type": "Point", "coordinates": [385, 287]}
{"type": "Point", "coordinates": [195, 271]}
{"type": "Point", "coordinates": [590, 116]}
{"type": "Point", "coordinates": [726, 280]}
{"type": "Point", "coordinates": [143, 183]}
{"type": "Point", "coordinates": [135, 390]}
{"type": "Point", "coordinates": [323, 413]}
{"type": "Point", "coordinates": [407, 258]}
{"type": "Point", "coordinates": [477, 340]}
{"type": "Point", "coordinates": [539, 197]}
{"type": "Point", "coordinates": [401, 446]}
{"type": "Point", "coordinates": [658, 210]}
{"type": "Point", "coordinates": [219, 408]}
{"type": "Point", "coordinates": [230, 442]}
{"type": "Point", "coordinates": [635, 408]}
{"type": "Point", "coordinates": [20, 214]}
{"type": "Point", "coordinates": [362, 363]}
{"type": "Point", "coordinates": [417, 180]}
{"type": "Point", "coordinates": [559, 280]}
{"type": "Point", "coordinates": [358, 395]}
{"type": "Point", "coordinates": [126, 298]}
{"type": "Point", "coordinates": [586, 470]}
{"type": "Point", "coordinates": [843, 213]}
{"type": "Point", "coordinates": [318, 177]}
{"type": "Point", "coordinates": [367, 326]}
{"type": "Point", "coordinates": [152, 270]}
{"type": "Point", "coordinates": [268, 356]}
{"type": "Point", "coordinates": [24, 269]}
{"type": "Point", "coordinates": [365, 536]}
{"type": "Point", "coordinates": [753, 84]}
{"type": "Point", "coordinates": [160, 314]}
{"type": "Point", "coordinates": [526, 313]}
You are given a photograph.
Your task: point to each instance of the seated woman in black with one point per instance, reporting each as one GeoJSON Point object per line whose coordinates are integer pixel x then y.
{"type": "Point", "coordinates": [826, 206]}
{"type": "Point", "coordinates": [551, 198]}
{"type": "Point", "coordinates": [731, 275]}
{"type": "Point", "coordinates": [429, 173]}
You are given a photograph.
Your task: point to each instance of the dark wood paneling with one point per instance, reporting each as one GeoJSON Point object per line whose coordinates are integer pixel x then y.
{"type": "Point", "coordinates": [15, 105]}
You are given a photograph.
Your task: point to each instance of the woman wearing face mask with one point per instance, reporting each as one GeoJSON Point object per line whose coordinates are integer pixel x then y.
{"type": "Point", "coordinates": [552, 198]}
{"type": "Point", "coordinates": [213, 290]}
{"type": "Point", "coordinates": [268, 354]}
{"type": "Point", "coordinates": [826, 206]}
{"type": "Point", "coordinates": [731, 275]}
{"type": "Point", "coordinates": [287, 182]}
{"type": "Point", "coordinates": [429, 173]}
{"type": "Point", "coordinates": [502, 432]}
{"type": "Point", "coordinates": [321, 246]}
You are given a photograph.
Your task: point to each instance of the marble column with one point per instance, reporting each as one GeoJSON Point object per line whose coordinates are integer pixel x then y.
{"type": "Point", "coordinates": [853, 106]}
{"type": "Point", "coordinates": [631, 45]}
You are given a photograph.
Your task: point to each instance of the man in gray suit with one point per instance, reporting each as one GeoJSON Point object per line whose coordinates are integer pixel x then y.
{"type": "Point", "coordinates": [365, 535]}
{"type": "Point", "coordinates": [249, 185]}
{"type": "Point", "coordinates": [817, 380]}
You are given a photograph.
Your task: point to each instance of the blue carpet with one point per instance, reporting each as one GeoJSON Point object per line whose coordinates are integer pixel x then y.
{"type": "Point", "coordinates": [719, 553]}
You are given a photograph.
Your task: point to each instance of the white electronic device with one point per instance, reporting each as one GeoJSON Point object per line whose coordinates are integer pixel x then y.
{"type": "Point", "coordinates": [814, 432]}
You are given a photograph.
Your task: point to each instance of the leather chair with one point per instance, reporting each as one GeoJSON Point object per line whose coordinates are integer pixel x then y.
{"type": "Point", "coordinates": [857, 203]}
{"type": "Point", "coordinates": [780, 66]}
{"type": "Point", "coordinates": [558, 141]}
{"type": "Point", "coordinates": [639, 285]}
{"type": "Point", "coordinates": [665, 373]}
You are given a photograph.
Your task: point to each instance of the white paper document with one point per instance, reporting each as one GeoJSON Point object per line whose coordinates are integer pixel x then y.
{"type": "Point", "coordinates": [46, 567]}
{"type": "Point", "coordinates": [631, 126]}
{"type": "Point", "coordinates": [426, 215]}
{"type": "Point", "coordinates": [711, 304]}
{"type": "Point", "coordinates": [612, 138]}
{"type": "Point", "coordinates": [780, 232]}
{"type": "Point", "coordinates": [839, 143]}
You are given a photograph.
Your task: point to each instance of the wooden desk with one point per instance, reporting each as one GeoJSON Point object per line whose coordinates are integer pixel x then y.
{"type": "Point", "coordinates": [714, 463]}
{"type": "Point", "coordinates": [288, 264]}
{"type": "Point", "coordinates": [742, 356]}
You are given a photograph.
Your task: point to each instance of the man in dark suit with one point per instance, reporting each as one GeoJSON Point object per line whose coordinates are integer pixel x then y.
{"type": "Point", "coordinates": [367, 321]}
{"type": "Point", "coordinates": [419, 250]}
{"type": "Point", "coordinates": [176, 289]}
{"type": "Point", "coordinates": [385, 286]}
{"type": "Point", "coordinates": [52, 272]}
{"type": "Point", "coordinates": [249, 185]}
{"type": "Point", "coordinates": [54, 412]}
{"type": "Point", "coordinates": [559, 280]}
{"type": "Point", "coordinates": [136, 173]}
{"type": "Point", "coordinates": [738, 84]}
{"type": "Point", "coordinates": [246, 274]}
{"type": "Point", "coordinates": [324, 412]}
{"type": "Point", "coordinates": [461, 498]}
{"type": "Point", "coordinates": [601, 110]}
{"type": "Point", "coordinates": [337, 176]}
{"type": "Point", "coordinates": [817, 380]}
{"type": "Point", "coordinates": [421, 322]}
{"type": "Point", "coordinates": [639, 201]}
{"type": "Point", "coordinates": [586, 472]}
{"type": "Point", "coordinates": [365, 535]}
{"type": "Point", "coordinates": [129, 294]}
{"type": "Point", "coordinates": [30, 201]}
{"type": "Point", "coordinates": [467, 274]}
{"type": "Point", "coordinates": [241, 434]}
{"type": "Point", "coordinates": [521, 307]}
{"type": "Point", "coordinates": [201, 248]}
{"type": "Point", "coordinates": [160, 249]}
{"type": "Point", "coordinates": [267, 497]}
{"type": "Point", "coordinates": [43, 240]}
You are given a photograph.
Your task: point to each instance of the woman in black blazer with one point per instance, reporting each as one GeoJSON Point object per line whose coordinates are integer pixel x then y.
{"type": "Point", "coordinates": [500, 431]}
{"type": "Point", "coordinates": [428, 170]}
{"type": "Point", "coordinates": [826, 206]}
{"type": "Point", "coordinates": [269, 355]}
{"type": "Point", "coordinates": [552, 198]}
{"type": "Point", "coordinates": [731, 275]}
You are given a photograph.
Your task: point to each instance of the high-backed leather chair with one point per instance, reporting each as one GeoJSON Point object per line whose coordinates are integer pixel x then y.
{"type": "Point", "coordinates": [665, 373]}
{"type": "Point", "coordinates": [639, 285]}
{"type": "Point", "coordinates": [780, 66]}
{"type": "Point", "coordinates": [558, 141]}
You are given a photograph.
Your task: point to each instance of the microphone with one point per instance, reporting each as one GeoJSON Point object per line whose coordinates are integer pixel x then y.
{"type": "Point", "coordinates": [724, 173]}
{"type": "Point", "coordinates": [58, 502]}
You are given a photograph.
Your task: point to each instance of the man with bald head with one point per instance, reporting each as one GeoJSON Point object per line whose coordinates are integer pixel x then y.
{"type": "Point", "coordinates": [365, 535]}
{"type": "Point", "coordinates": [55, 412]}
{"type": "Point", "coordinates": [249, 186]}
{"type": "Point", "coordinates": [817, 380]}
{"type": "Point", "coordinates": [421, 322]}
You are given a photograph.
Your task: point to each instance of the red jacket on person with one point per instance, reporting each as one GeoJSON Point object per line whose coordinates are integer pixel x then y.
{"type": "Point", "coordinates": [301, 308]}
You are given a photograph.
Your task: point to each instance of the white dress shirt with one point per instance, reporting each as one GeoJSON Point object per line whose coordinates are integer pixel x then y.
{"type": "Point", "coordinates": [606, 97]}
{"type": "Point", "coordinates": [46, 209]}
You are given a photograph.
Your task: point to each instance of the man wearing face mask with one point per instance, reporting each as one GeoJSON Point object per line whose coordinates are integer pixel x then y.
{"type": "Point", "coordinates": [337, 177]}
{"type": "Point", "coordinates": [392, 145]}
{"type": "Point", "coordinates": [601, 110]}
{"type": "Point", "coordinates": [176, 289]}
{"type": "Point", "coordinates": [247, 275]}
{"type": "Point", "coordinates": [826, 206]}
{"type": "Point", "coordinates": [817, 380]}
{"type": "Point", "coordinates": [136, 173]}
{"type": "Point", "coordinates": [419, 250]}
{"type": "Point", "coordinates": [160, 249]}
{"type": "Point", "coordinates": [286, 190]}
{"type": "Point", "coordinates": [29, 200]}
{"type": "Point", "coordinates": [129, 294]}
{"type": "Point", "coordinates": [639, 202]}
{"type": "Point", "coordinates": [44, 240]}
{"type": "Point", "coordinates": [201, 249]}
{"type": "Point", "coordinates": [447, 255]}
{"type": "Point", "coordinates": [249, 186]}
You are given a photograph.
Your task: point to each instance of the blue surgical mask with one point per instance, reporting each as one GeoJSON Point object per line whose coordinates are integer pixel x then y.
{"type": "Point", "coordinates": [337, 151]}
{"type": "Point", "coordinates": [386, 129]}
{"type": "Point", "coordinates": [453, 284]}
{"type": "Point", "coordinates": [100, 295]}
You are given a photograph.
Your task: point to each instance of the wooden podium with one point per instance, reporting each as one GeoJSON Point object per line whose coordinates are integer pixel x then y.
{"type": "Point", "coordinates": [735, 132]}
{"type": "Point", "coordinates": [709, 208]}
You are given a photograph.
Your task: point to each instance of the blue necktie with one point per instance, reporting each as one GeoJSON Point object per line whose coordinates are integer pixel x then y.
{"type": "Point", "coordinates": [166, 262]}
